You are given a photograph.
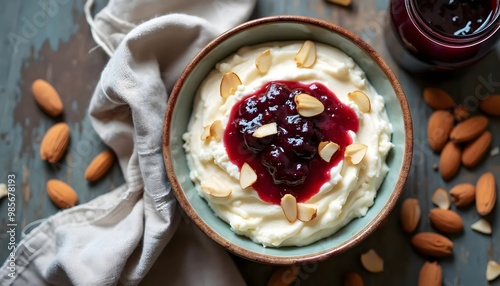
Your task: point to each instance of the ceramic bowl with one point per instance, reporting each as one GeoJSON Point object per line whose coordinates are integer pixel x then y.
{"type": "Point", "coordinates": [285, 28]}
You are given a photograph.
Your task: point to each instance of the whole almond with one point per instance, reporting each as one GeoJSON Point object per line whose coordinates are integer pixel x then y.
{"type": "Point", "coordinates": [283, 276]}
{"type": "Point", "coordinates": [439, 128]}
{"type": "Point", "coordinates": [463, 194]}
{"type": "Point", "coordinates": [449, 162]}
{"type": "Point", "coordinates": [469, 129]}
{"type": "Point", "coordinates": [475, 150]}
{"type": "Point", "coordinates": [486, 194]}
{"type": "Point", "coordinates": [61, 194]}
{"type": "Point", "coordinates": [437, 98]}
{"type": "Point", "coordinates": [99, 165]}
{"type": "Point", "coordinates": [446, 221]}
{"type": "Point", "coordinates": [352, 278]}
{"type": "Point", "coordinates": [341, 2]}
{"type": "Point", "coordinates": [432, 244]}
{"type": "Point", "coordinates": [47, 97]}
{"type": "Point", "coordinates": [430, 274]}
{"type": "Point", "coordinates": [410, 214]}
{"type": "Point", "coordinates": [491, 105]}
{"type": "Point", "coordinates": [55, 142]}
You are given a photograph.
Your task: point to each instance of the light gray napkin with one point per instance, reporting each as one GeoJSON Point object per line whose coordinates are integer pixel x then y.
{"type": "Point", "coordinates": [117, 237]}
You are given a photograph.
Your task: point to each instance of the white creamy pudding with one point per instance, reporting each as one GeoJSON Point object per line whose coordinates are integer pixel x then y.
{"type": "Point", "coordinates": [287, 146]}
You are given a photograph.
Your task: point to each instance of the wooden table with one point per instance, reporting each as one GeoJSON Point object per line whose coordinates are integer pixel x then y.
{"type": "Point", "coordinates": [61, 50]}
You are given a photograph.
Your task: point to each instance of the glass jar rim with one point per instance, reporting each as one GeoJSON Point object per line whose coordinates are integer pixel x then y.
{"type": "Point", "coordinates": [494, 25]}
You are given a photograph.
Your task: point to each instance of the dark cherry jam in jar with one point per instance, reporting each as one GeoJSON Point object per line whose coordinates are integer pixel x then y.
{"type": "Point", "coordinates": [456, 17]}
{"type": "Point", "coordinates": [288, 162]}
{"type": "Point", "coordinates": [442, 34]}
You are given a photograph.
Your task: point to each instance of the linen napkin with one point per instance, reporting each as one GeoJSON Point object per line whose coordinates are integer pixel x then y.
{"type": "Point", "coordinates": [117, 237]}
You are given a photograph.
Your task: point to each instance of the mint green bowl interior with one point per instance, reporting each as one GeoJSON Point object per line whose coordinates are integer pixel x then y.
{"type": "Point", "coordinates": [286, 28]}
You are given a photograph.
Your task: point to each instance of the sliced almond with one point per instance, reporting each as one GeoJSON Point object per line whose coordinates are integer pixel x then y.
{"type": "Point", "coordinates": [216, 130]}
{"type": "Point", "coordinates": [205, 135]}
{"type": "Point", "coordinates": [229, 84]}
{"type": "Point", "coordinates": [327, 149]}
{"type": "Point", "coordinates": [492, 270]}
{"type": "Point", "coordinates": [306, 212]}
{"type": "Point", "coordinates": [482, 226]}
{"type": "Point", "coordinates": [263, 61]}
{"type": "Point", "coordinates": [247, 176]}
{"type": "Point", "coordinates": [308, 106]}
{"type": "Point", "coordinates": [306, 57]}
{"type": "Point", "coordinates": [266, 130]}
{"type": "Point", "coordinates": [3, 191]}
{"type": "Point", "coordinates": [289, 206]}
{"type": "Point", "coordinates": [495, 151]}
{"type": "Point", "coordinates": [440, 198]}
{"type": "Point", "coordinates": [372, 262]}
{"type": "Point", "coordinates": [215, 187]}
{"type": "Point", "coordinates": [356, 152]}
{"type": "Point", "coordinates": [361, 100]}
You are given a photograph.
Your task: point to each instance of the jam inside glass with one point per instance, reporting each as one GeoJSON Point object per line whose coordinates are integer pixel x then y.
{"type": "Point", "coordinates": [435, 35]}
{"type": "Point", "coordinates": [456, 17]}
{"type": "Point", "coordinates": [288, 162]}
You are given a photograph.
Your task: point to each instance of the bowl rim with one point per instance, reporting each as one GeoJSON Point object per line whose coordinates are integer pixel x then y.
{"type": "Point", "coordinates": [363, 233]}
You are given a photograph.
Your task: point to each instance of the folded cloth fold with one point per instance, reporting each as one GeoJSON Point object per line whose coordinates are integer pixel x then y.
{"type": "Point", "coordinates": [117, 237]}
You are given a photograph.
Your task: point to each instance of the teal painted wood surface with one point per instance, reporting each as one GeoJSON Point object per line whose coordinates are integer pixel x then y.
{"type": "Point", "coordinates": [59, 48]}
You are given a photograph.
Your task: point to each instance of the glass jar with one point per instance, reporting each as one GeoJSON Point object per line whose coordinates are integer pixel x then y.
{"type": "Point", "coordinates": [418, 46]}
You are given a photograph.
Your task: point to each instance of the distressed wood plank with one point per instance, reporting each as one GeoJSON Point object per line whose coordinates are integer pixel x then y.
{"type": "Point", "coordinates": [58, 52]}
